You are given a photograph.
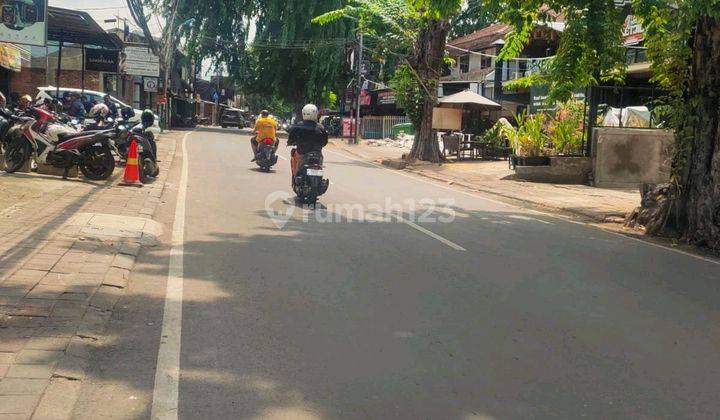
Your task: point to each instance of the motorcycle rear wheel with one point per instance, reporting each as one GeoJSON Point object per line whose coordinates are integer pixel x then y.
{"type": "Point", "coordinates": [98, 163]}
{"type": "Point", "coordinates": [16, 153]}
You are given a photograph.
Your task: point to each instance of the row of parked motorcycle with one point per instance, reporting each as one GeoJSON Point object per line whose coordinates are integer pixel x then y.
{"type": "Point", "coordinates": [43, 134]}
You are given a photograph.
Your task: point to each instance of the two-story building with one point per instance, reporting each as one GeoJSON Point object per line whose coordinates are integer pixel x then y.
{"type": "Point", "coordinates": [478, 68]}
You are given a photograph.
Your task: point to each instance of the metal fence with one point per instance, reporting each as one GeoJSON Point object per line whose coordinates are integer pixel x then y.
{"type": "Point", "coordinates": [380, 127]}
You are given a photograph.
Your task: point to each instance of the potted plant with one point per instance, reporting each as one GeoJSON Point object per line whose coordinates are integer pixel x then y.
{"type": "Point", "coordinates": [529, 141]}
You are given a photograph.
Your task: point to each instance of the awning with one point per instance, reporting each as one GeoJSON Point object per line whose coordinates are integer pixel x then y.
{"type": "Point", "coordinates": [470, 98]}
{"type": "Point", "coordinates": [76, 27]}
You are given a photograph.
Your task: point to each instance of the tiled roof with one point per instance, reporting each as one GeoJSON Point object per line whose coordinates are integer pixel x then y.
{"type": "Point", "coordinates": [482, 38]}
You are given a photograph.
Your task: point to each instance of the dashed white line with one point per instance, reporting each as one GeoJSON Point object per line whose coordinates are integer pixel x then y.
{"type": "Point", "coordinates": [553, 216]}
{"type": "Point", "coordinates": [167, 372]}
{"type": "Point", "coordinates": [433, 235]}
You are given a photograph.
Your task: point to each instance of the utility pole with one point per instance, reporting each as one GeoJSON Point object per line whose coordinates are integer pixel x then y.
{"type": "Point", "coordinates": [359, 89]}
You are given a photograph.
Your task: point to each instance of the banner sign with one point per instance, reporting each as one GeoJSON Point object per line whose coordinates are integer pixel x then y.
{"type": "Point", "coordinates": [365, 98]}
{"type": "Point", "coordinates": [24, 22]}
{"type": "Point", "coordinates": [539, 103]}
{"type": "Point", "coordinates": [10, 57]}
{"type": "Point", "coordinates": [139, 61]}
{"type": "Point", "coordinates": [632, 31]}
{"type": "Point", "coordinates": [386, 97]}
{"type": "Point", "coordinates": [101, 60]}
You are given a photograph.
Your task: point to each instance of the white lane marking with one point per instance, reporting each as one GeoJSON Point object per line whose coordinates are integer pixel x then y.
{"type": "Point", "coordinates": [167, 371]}
{"type": "Point", "coordinates": [282, 157]}
{"type": "Point", "coordinates": [529, 219]}
{"type": "Point", "coordinates": [554, 216]}
{"type": "Point", "coordinates": [433, 235]}
{"type": "Point", "coordinates": [417, 178]}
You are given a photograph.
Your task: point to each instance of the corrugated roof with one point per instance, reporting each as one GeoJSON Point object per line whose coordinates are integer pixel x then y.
{"type": "Point", "coordinates": [78, 27]}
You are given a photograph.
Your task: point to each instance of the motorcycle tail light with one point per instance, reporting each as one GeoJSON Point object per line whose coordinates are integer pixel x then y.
{"type": "Point", "coordinates": [269, 141]}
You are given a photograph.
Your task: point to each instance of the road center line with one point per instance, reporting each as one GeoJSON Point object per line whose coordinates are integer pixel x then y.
{"type": "Point", "coordinates": [433, 235]}
{"type": "Point", "coordinates": [550, 215]}
{"type": "Point", "coordinates": [167, 371]}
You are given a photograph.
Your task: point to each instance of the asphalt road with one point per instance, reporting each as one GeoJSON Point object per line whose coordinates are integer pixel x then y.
{"type": "Point", "coordinates": [345, 313]}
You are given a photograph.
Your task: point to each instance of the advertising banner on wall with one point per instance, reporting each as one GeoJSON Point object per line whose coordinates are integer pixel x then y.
{"type": "Point", "coordinates": [24, 22]}
{"type": "Point", "coordinates": [139, 60]}
{"type": "Point", "coordinates": [101, 60]}
{"type": "Point", "coordinates": [10, 57]}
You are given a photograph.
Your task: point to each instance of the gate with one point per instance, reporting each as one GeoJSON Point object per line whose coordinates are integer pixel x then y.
{"type": "Point", "coordinates": [380, 127]}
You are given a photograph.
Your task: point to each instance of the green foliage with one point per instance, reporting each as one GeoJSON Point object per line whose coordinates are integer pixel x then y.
{"type": "Point", "coordinates": [529, 138]}
{"type": "Point", "coordinates": [495, 135]}
{"type": "Point", "coordinates": [474, 15]}
{"type": "Point", "coordinates": [565, 130]}
{"type": "Point", "coordinates": [542, 134]}
{"type": "Point", "coordinates": [276, 106]}
{"type": "Point", "coordinates": [589, 50]}
{"type": "Point", "coordinates": [409, 93]}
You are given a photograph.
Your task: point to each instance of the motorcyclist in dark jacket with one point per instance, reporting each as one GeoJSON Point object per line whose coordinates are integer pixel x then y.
{"type": "Point", "coordinates": [308, 136]}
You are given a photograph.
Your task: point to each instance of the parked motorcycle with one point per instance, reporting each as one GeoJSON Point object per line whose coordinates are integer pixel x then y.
{"type": "Point", "coordinates": [265, 156]}
{"type": "Point", "coordinates": [145, 139]}
{"type": "Point", "coordinates": [308, 182]}
{"type": "Point", "coordinates": [90, 151]}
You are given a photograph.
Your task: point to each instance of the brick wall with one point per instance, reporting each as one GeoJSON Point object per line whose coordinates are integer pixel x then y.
{"type": "Point", "coordinates": [29, 79]}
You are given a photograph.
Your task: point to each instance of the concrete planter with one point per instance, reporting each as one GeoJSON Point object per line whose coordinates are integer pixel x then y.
{"type": "Point", "coordinates": [562, 170]}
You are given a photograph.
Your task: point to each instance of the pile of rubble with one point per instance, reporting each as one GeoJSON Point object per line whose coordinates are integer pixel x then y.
{"type": "Point", "coordinates": [403, 141]}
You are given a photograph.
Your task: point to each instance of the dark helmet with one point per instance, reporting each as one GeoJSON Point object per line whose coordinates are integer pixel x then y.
{"type": "Point", "coordinates": [264, 113]}
{"type": "Point", "coordinates": [127, 113]}
{"type": "Point", "coordinates": [147, 118]}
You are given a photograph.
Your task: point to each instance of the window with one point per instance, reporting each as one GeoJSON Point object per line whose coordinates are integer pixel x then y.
{"type": "Point", "coordinates": [464, 63]}
{"type": "Point", "coordinates": [485, 62]}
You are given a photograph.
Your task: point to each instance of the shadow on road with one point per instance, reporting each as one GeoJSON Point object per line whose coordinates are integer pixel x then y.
{"type": "Point", "coordinates": [382, 325]}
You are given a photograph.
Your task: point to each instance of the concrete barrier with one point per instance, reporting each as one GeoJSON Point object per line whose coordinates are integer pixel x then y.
{"type": "Point", "coordinates": [628, 157]}
{"type": "Point", "coordinates": [562, 170]}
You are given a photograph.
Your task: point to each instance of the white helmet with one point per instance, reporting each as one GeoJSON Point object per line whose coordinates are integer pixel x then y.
{"type": "Point", "coordinates": [99, 110]}
{"type": "Point", "coordinates": [310, 113]}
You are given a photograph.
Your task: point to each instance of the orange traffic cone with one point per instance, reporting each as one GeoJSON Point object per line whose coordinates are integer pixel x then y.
{"type": "Point", "coordinates": [132, 170]}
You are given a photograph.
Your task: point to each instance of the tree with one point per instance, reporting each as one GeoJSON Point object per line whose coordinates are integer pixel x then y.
{"type": "Point", "coordinates": [419, 29]}
{"type": "Point", "coordinates": [474, 15]}
{"type": "Point", "coordinates": [293, 59]}
{"type": "Point", "coordinates": [289, 60]}
{"type": "Point", "coordinates": [683, 40]}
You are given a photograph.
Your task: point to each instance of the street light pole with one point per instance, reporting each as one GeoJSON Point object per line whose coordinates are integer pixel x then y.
{"type": "Point", "coordinates": [359, 89]}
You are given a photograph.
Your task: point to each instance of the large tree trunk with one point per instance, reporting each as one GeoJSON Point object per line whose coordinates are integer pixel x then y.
{"type": "Point", "coordinates": [427, 61]}
{"type": "Point", "coordinates": [700, 198]}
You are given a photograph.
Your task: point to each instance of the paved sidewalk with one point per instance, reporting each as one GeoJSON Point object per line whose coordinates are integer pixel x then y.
{"type": "Point", "coordinates": [494, 177]}
{"type": "Point", "coordinates": [67, 251]}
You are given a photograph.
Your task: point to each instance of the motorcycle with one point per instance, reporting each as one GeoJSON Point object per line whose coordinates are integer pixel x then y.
{"type": "Point", "coordinates": [90, 151]}
{"type": "Point", "coordinates": [266, 157]}
{"type": "Point", "coordinates": [147, 149]}
{"type": "Point", "coordinates": [308, 182]}
{"type": "Point", "coordinates": [6, 124]}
